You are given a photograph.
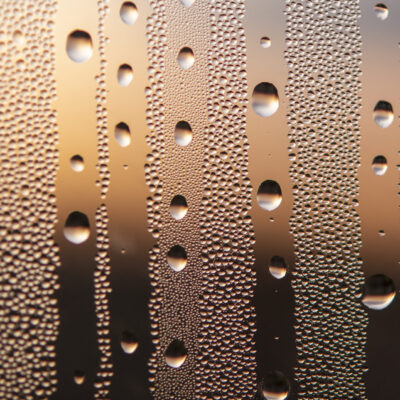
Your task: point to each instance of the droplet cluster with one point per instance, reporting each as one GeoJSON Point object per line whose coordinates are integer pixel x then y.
{"type": "Point", "coordinates": [323, 57]}
{"type": "Point", "coordinates": [227, 366]}
{"type": "Point", "coordinates": [29, 161]}
{"type": "Point", "coordinates": [102, 292]}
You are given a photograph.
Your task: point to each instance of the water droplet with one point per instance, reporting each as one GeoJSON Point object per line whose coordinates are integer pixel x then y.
{"type": "Point", "coordinates": [265, 42]}
{"type": "Point", "coordinates": [379, 165]}
{"type": "Point", "coordinates": [381, 233]}
{"type": "Point", "coordinates": [18, 38]}
{"type": "Point", "coordinates": [122, 134]}
{"type": "Point", "coordinates": [383, 114]}
{"type": "Point", "coordinates": [186, 58]}
{"type": "Point", "coordinates": [187, 3]}
{"type": "Point", "coordinates": [79, 377]}
{"type": "Point", "coordinates": [277, 267]}
{"type": "Point", "coordinates": [265, 100]}
{"type": "Point", "coordinates": [178, 207]}
{"type": "Point", "coordinates": [275, 386]}
{"type": "Point", "coordinates": [379, 292]}
{"type": "Point", "coordinates": [381, 11]}
{"type": "Point", "coordinates": [79, 46]}
{"type": "Point", "coordinates": [129, 342]}
{"type": "Point", "coordinates": [269, 195]}
{"type": "Point", "coordinates": [176, 354]}
{"type": "Point", "coordinates": [76, 228]}
{"type": "Point", "coordinates": [77, 163]}
{"type": "Point", "coordinates": [128, 13]}
{"type": "Point", "coordinates": [125, 74]}
{"type": "Point", "coordinates": [183, 133]}
{"type": "Point", "coordinates": [177, 258]}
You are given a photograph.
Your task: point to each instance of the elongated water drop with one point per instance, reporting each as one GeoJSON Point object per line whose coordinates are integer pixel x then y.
{"type": "Point", "coordinates": [178, 207]}
{"type": "Point", "coordinates": [79, 46]}
{"type": "Point", "coordinates": [383, 114]}
{"type": "Point", "coordinates": [277, 267]}
{"type": "Point", "coordinates": [76, 228]}
{"type": "Point", "coordinates": [122, 134]}
{"type": "Point", "coordinates": [183, 133]}
{"type": "Point", "coordinates": [77, 163]}
{"type": "Point", "coordinates": [265, 99]}
{"type": "Point", "coordinates": [129, 342]}
{"type": "Point", "coordinates": [269, 195]}
{"type": "Point", "coordinates": [176, 354]}
{"type": "Point", "coordinates": [177, 258]}
{"type": "Point", "coordinates": [128, 13]}
{"type": "Point", "coordinates": [379, 165]}
{"type": "Point", "coordinates": [125, 74]}
{"type": "Point", "coordinates": [186, 58]}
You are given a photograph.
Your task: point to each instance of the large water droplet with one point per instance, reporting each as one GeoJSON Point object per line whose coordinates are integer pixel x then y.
{"type": "Point", "coordinates": [18, 38]}
{"type": "Point", "coordinates": [122, 134]}
{"type": "Point", "coordinates": [125, 74]}
{"type": "Point", "coordinates": [186, 58]}
{"type": "Point", "coordinates": [265, 99]}
{"type": "Point", "coordinates": [176, 353]}
{"type": "Point", "coordinates": [383, 114]}
{"type": "Point", "coordinates": [129, 342]}
{"type": "Point", "coordinates": [187, 3]}
{"type": "Point", "coordinates": [277, 267]}
{"type": "Point", "coordinates": [183, 133]}
{"type": "Point", "coordinates": [275, 386]}
{"type": "Point", "coordinates": [77, 163]}
{"type": "Point", "coordinates": [265, 42]}
{"type": "Point", "coordinates": [79, 46]}
{"type": "Point", "coordinates": [128, 13]}
{"type": "Point", "coordinates": [379, 292]}
{"type": "Point", "coordinates": [79, 377]}
{"type": "Point", "coordinates": [269, 195]}
{"type": "Point", "coordinates": [177, 258]}
{"type": "Point", "coordinates": [381, 11]}
{"type": "Point", "coordinates": [178, 207]}
{"type": "Point", "coordinates": [379, 165]}
{"type": "Point", "coordinates": [76, 228]}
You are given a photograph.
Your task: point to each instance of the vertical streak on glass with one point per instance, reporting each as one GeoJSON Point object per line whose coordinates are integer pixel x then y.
{"type": "Point", "coordinates": [323, 56]}
{"type": "Point", "coordinates": [227, 367]}
{"type": "Point", "coordinates": [102, 287]}
{"type": "Point", "coordinates": [29, 160]}
{"type": "Point", "coordinates": [175, 94]}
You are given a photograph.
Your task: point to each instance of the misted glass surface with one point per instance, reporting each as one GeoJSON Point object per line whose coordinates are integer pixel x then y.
{"type": "Point", "coordinates": [200, 199]}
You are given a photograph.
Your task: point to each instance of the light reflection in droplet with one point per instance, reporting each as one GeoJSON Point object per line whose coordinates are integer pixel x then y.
{"type": "Point", "coordinates": [177, 258]}
{"type": "Point", "coordinates": [79, 46]}
{"type": "Point", "coordinates": [125, 74]}
{"type": "Point", "coordinates": [379, 292]}
{"type": "Point", "coordinates": [183, 133]}
{"type": "Point", "coordinates": [379, 165]}
{"type": "Point", "coordinates": [186, 58]}
{"type": "Point", "coordinates": [76, 228]}
{"type": "Point", "coordinates": [269, 195]}
{"type": "Point", "coordinates": [265, 99]}
{"type": "Point", "coordinates": [176, 354]}
{"type": "Point", "coordinates": [383, 114]}
{"type": "Point", "coordinates": [178, 207]}
{"type": "Point", "coordinates": [128, 13]}
{"type": "Point", "coordinates": [77, 163]}
{"type": "Point", "coordinates": [122, 134]}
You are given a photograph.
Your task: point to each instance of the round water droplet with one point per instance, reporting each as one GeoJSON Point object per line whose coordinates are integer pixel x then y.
{"type": "Point", "coordinates": [122, 134]}
{"type": "Point", "coordinates": [125, 74]}
{"type": "Point", "coordinates": [383, 114]}
{"type": "Point", "coordinates": [79, 377]}
{"type": "Point", "coordinates": [277, 267]}
{"type": "Point", "coordinates": [178, 207]}
{"type": "Point", "coordinates": [77, 163]}
{"type": "Point", "coordinates": [379, 165]}
{"type": "Point", "coordinates": [128, 13]}
{"type": "Point", "coordinates": [76, 228]}
{"type": "Point", "coordinates": [129, 342]}
{"type": "Point", "coordinates": [79, 46]}
{"type": "Point", "coordinates": [381, 11]}
{"type": "Point", "coordinates": [177, 258]}
{"type": "Point", "coordinates": [18, 38]}
{"type": "Point", "coordinates": [265, 99]}
{"type": "Point", "coordinates": [275, 386]}
{"type": "Point", "coordinates": [176, 354]}
{"type": "Point", "coordinates": [187, 3]}
{"type": "Point", "coordinates": [183, 133]}
{"type": "Point", "coordinates": [379, 292]}
{"type": "Point", "coordinates": [265, 42]}
{"type": "Point", "coordinates": [186, 58]}
{"type": "Point", "coordinates": [269, 195]}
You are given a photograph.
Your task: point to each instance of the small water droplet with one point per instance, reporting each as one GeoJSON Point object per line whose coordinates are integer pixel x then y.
{"type": "Point", "coordinates": [381, 11]}
{"type": "Point", "coordinates": [186, 58]}
{"type": "Point", "coordinates": [383, 114]}
{"type": "Point", "coordinates": [122, 134]}
{"type": "Point", "coordinates": [125, 74]}
{"type": "Point", "coordinates": [379, 165]}
{"type": "Point", "coordinates": [176, 354]}
{"type": "Point", "coordinates": [76, 228]}
{"type": "Point", "coordinates": [129, 342]}
{"type": "Point", "coordinates": [79, 377]}
{"type": "Point", "coordinates": [128, 13]}
{"type": "Point", "coordinates": [79, 46]}
{"type": "Point", "coordinates": [178, 207]}
{"type": "Point", "coordinates": [269, 195]}
{"type": "Point", "coordinates": [275, 386]}
{"type": "Point", "coordinates": [177, 258]}
{"type": "Point", "coordinates": [265, 42]}
{"type": "Point", "coordinates": [379, 292]}
{"type": "Point", "coordinates": [183, 133]}
{"type": "Point", "coordinates": [77, 163]}
{"type": "Point", "coordinates": [265, 99]}
{"type": "Point", "coordinates": [277, 267]}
